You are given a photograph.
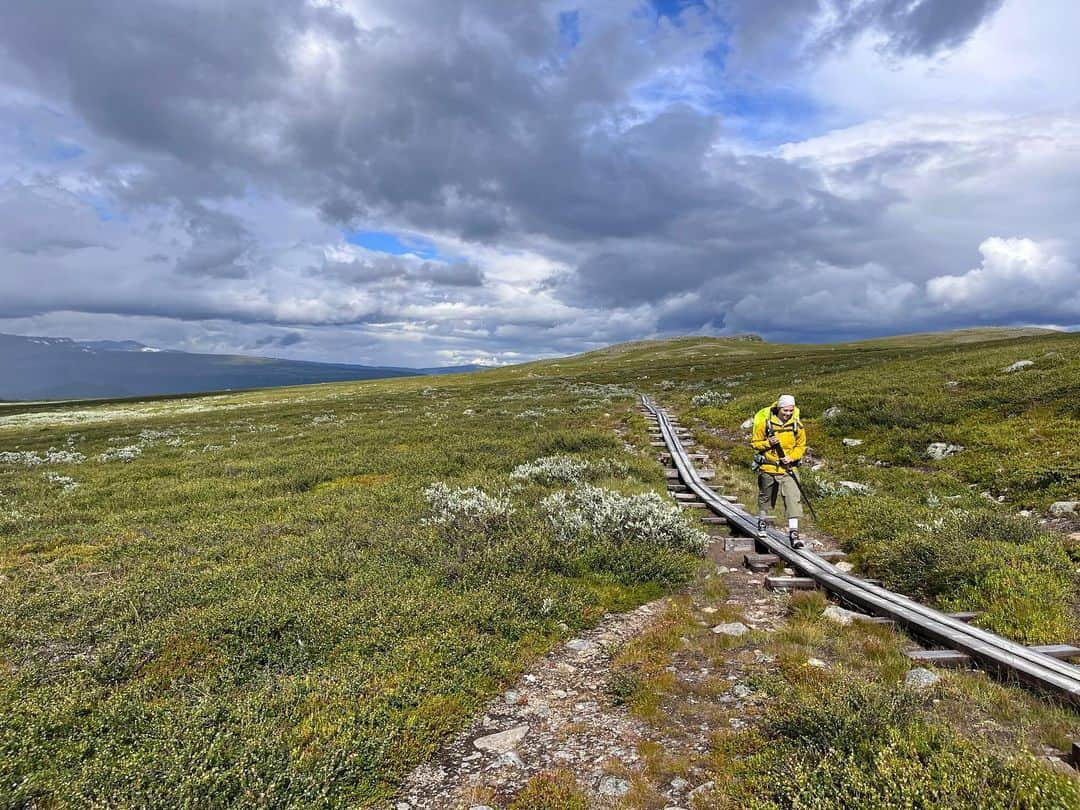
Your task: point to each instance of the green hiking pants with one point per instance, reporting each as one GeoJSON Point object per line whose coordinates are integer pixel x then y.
{"type": "Point", "coordinates": [769, 485]}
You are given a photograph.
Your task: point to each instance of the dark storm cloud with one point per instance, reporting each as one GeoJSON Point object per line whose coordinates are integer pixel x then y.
{"type": "Point", "coordinates": [790, 31]}
{"type": "Point", "coordinates": [473, 120]}
{"type": "Point", "coordinates": [282, 341]}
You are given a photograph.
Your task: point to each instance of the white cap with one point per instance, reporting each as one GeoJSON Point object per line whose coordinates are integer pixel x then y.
{"type": "Point", "coordinates": [785, 401]}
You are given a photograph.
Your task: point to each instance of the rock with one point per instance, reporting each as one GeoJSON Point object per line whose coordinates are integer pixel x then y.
{"type": "Point", "coordinates": [1019, 364]}
{"type": "Point", "coordinates": [700, 790]}
{"type": "Point", "coordinates": [741, 691]}
{"type": "Point", "coordinates": [508, 760]}
{"type": "Point", "coordinates": [512, 697]}
{"type": "Point", "coordinates": [731, 629]}
{"type": "Point", "coordinates": [851, 442]}
{"type": "Point", "coordinates": [503, 741]}
{"type": "Point", "coordinates": [402, 806]}
{"type": "Point", "coordinates": [845, 566]}
{"type": "Point", "coordinates": [481, 807]}
{"type": "Point", "coordinates": [580, 645]}
{"type": "Point", "coordinates": [832, 412]}
{"type": "Point", "coordinates": [854, 487]}
{"type": "Point", "coordinates": [816, 663]}
{"type": "Point", "coordinates": [921, 678]}
{"type": "Point", "coordinates": [1063, 508]}
{"type": "Point", "coordinates": [940, 450]}
{"type": "Point", "coordinates": [748, 424]}
{"type": "Point", "coordinates": [835, 613]}
{"type": "Point", "coordinates": [613, 786]}
{"type": "Point", "coordinates": [952, 384]}
{"type": "Point", "coordinates": [679, 785]}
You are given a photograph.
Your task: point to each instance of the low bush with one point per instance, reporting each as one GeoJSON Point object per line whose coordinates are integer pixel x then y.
{"type": "Point", "coordinates": [854, 743]}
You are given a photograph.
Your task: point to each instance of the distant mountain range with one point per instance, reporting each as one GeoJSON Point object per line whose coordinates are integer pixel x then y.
{"type": "Point", "coordinates": [34, 368]}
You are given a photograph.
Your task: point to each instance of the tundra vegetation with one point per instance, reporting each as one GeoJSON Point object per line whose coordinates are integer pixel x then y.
{"type": "Point", "coordinates": [292, 597]}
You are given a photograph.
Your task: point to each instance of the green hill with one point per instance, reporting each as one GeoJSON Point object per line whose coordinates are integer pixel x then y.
{"type": "Point", "coordinates": [291, 597]}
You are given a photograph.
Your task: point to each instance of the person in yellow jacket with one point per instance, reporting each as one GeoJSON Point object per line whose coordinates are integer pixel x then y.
{"type": "Point", "coordinates": [780, 441]}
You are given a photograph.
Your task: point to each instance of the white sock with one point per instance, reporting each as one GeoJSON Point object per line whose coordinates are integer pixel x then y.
{"type": "Point", "coordinates": [792, 524]}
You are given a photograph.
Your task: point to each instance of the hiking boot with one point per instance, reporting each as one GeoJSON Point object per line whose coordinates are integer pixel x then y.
{"type": "Point", "coordinates": [796, 541]}
{"type": "Point", "coordinates": [762, 528]}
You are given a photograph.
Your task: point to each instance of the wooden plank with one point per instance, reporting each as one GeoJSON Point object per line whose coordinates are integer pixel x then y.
{"type": "Point", "coordinates": [790, 583]}
{"type": "Point", "coordinates": [714, 520]}
{"type": "Point", "coordinates": [694, 505]}
{"type": "Point", "coordinates": [706, 475]}
{"type": "Point", "coordinates": [738, 544]}
{"type": "Point", "coordinates": [671, 472]}
{"type": "Point", "coordinates": [760, 562]}
{"type": "Point", "coordinates": [949, 659]}
{"type": "Point", "coordinates": [862, 617]}
{"type": "Point", "coordinates": [686, 496]}
{"type": "Point", "coordinates": [1063, 652]}
{"type": "Point", "coordinates": [678, 488]}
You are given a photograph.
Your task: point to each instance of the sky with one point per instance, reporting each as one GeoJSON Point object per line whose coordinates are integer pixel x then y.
{"type": "Point", "coordinates": [437, 182]}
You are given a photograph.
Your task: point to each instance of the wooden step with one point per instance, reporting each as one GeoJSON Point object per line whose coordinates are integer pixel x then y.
{"type": "Point", "coordinates": [685, 496]}
{"type": "Point", "coordinates": [1063, 652]}
{"type": "Point", "coordinates": [714, 520]}
{"type": "Point", "coordinates": [760, 562]}
{"type": "Point", "coordinates": [738, 544]}
{"type": "Point", "coordinates": [693, 505]}
{"type": "Point", "coordinates": [678, 488]}
{"type": "Point", "coordinates": [790, 583]}
{"type": "Point", "coordinates": [949, 659]}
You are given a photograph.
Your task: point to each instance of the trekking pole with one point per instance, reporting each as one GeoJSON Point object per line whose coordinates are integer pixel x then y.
{"type": "Point", "coordinates": [798, 483]}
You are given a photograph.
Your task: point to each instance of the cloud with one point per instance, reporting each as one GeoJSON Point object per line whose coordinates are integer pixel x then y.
{"type": "Point", "coordinates": [195, 169]}
{"type": "Point", "coordinates": [1017, 278]}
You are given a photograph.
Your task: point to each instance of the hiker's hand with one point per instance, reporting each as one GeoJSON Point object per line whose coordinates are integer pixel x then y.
{"type": "Point", "coordinates": [774, 441]}
{"type": "Point", "coordinates": [785, 460]}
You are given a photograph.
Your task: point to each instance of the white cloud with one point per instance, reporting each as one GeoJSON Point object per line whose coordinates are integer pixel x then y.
{"type": "Point", "coordinates": [1014, 274]}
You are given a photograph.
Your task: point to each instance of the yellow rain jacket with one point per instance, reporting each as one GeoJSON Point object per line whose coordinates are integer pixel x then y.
{"type": "Point", "coordinates": [791, 434]}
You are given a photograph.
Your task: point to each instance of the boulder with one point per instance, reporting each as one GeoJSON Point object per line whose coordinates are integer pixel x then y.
{"type": "Point", "coordinates": [837, 614]}
{"type": "Point", "coordinates": [1063, 508]}
{"type": "Point", "coordinates": [503, 741]}
{"type": "Point", "coordinates": [734, 629]}
{"type": "Point", "coordinates": [613, 786]}
{"type": "Point", "coordinates": [748, 424]}
{"type": "Point", "coordinates": [940, 450]}
{"type": "Point", "coordinates": [921, 678]}
{"type": "Point", "coordinates": [1017, 366]}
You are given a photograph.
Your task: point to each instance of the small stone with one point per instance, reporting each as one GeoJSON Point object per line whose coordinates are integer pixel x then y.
{"type": "Point", "coordinates": [855, 487]}
{"type": "Point", "coordinates": [700, 790]}
{"type": "Point", "coordinates": [952, 384]}
{"type": "Point", "coordinates": [512, 697]}
{"type": "Point", "coordinates": [844, 566]}
{"type": "Point", "coordinates": [816, 663]}
{"type": "Point", "coordinates": [835, 613]}
{"type": "Point", "coordinates": [508, 760]}
{"type": "Point", "coordinates": [402, 806]}
{"type": "Point", "coordinates": [708, 610]}
{"type": "Point", "coordinates": [731, 629]}
{"type": "Point", "coordinates": [832, 412]}
{"type": "Point", "coordinates": [613, 786]}
{"type": "Point", "coordinates": [741, 691]}
{"type": "Point", "coordinates": [851, 442]}
{"type": "Point", "coordinates": [679, 785]}
{"type": "Point", "coordinates": [561, 694]}
{"type": "Point", "coordinates": [580, 645]}
{"type": "Point", "coordinates": [502, 741]}
{"type": "Point", "coordinates": [940, 450]}
{"type": "Point", "coordinates": [748, 424]}
{"type": "Point", "coordinates": [480, 807]}
{"type": "Point", "coordinates": [921, 678]}
{"type": "Point", "coordinates": [1062, 508]}
{"type": "Point", "coordinates": [1017, 366]}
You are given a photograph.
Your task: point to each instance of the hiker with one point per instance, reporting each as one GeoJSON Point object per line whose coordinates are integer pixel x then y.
{"type": "Point", "coordinates": [780, 441]}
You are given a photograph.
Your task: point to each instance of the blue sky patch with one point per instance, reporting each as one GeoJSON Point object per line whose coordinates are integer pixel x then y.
{"type": "Point", "coordinates": [569, 29]}
{"type": "Point", "coordinates": [386, 242]}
